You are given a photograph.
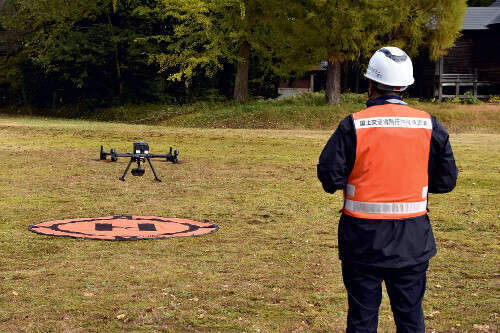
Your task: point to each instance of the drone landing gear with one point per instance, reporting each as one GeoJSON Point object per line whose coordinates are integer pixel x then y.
{"type": "Point", "coordinates": [139, 171]}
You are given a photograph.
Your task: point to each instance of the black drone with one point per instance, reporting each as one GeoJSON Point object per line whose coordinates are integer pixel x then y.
{"type": "Point", "coordinates": [141, 154]}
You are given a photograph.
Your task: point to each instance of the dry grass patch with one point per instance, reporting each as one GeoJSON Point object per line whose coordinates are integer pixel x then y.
{"type": "Point", "coordinates": [272, 266]}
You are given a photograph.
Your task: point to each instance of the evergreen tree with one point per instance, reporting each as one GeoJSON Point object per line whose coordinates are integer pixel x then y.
{"type": "Point", "coordinates": [82, 50]}
{"type": "Point", "coordinates": [340, 30]}
{"type": "Point", "coordinates": [10, 56]}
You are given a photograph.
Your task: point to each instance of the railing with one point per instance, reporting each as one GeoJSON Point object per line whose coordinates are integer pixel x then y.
{"type": "Point", "coordinates": [459, 80]}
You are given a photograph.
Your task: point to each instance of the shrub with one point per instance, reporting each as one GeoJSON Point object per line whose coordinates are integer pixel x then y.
{"type": "Point", "coordinates": [470, 99]}
{"type": "Point", "coordinates": [354, 98]}
{"type": "Point", "coordinates": [494, 99]}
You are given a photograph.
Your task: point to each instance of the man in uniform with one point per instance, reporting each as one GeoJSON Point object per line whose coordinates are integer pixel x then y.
{"type": "Point", "coordinates": [386, 159]}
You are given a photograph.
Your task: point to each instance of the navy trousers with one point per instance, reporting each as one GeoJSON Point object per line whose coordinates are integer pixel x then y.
{"type": "Point", "coordinates": [405, 287]}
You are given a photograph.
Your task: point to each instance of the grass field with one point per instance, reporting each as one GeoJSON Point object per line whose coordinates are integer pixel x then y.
{"type": "Point", "coordinates": [273, 265]}
{"type": "Point", "coordinates": [307, 111]}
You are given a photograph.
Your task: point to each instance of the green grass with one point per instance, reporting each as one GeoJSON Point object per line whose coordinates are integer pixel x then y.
{"type": "Point", "coordinates": [307, 111]}
{"type": "Point", "coordinates": [273, 265]}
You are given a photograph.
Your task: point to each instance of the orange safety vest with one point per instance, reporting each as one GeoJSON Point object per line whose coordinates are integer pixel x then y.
{"type": "Point", "coordinates": [389, 179]}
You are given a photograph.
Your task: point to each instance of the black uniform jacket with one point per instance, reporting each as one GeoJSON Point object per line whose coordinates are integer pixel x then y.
{"type": "Point", "coordinates": [385, 243]}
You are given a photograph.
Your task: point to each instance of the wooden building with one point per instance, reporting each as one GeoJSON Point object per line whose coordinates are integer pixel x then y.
{"type": "Point", "coordinates": [471, 66]}
{"type": "Point", "coordinates": [299, 86]}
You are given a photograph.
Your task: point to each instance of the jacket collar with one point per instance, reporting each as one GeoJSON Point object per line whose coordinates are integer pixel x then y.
{"type": "Point", "coordinates": [386, 99]}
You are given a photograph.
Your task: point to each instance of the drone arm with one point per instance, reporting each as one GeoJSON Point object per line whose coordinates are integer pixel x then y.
{"type": "Point", "coordinates": [123, 155]}
{"type": "Point", "coordinates": [170, 157]}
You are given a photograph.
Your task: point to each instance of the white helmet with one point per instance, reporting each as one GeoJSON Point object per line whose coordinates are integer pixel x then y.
{"type": "Point", "coordinates": [391, 67]}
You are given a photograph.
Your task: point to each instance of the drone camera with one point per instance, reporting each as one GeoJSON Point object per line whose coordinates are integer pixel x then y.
{"type": "Point", "coordinates": [141, 148]}
{"type": "Point", "coordinates": [138, 172]}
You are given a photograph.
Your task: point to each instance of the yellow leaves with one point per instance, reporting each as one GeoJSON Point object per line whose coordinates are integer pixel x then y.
{"type": "Point", "coordinates": [432, 315]}
{"type": "Point", "coordinates": [340, 57]}
{"type": "Point", "coordinates": [484, 328]}
{"type": "Point", "coordinates": [242, 10]}
{"type": "Point", "coordinates": [123, 317]}
{"type": "Point", "coordinates": [176, 77]}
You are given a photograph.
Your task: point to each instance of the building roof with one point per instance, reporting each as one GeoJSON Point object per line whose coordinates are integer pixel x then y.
{"type": "Point", "coordinates": [495, 19]}
{"type": "Point", "coordinates": [481, 18]}
{"type": "Point", "coordinates": [496, 4]}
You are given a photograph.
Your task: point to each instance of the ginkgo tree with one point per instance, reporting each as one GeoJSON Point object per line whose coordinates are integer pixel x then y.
{"type": "Point", "coordinates": [207, 32]}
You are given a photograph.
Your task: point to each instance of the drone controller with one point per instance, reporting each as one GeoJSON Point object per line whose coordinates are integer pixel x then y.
{"type": "Point", "coordinates": [140, 155]}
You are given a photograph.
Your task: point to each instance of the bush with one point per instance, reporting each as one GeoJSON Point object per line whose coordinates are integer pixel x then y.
{"type": "Point", "coordinates": [308, 98]}
{"type": "Point", "coordinates": [470, 99]}
{"type": "Point", "coordinates": [317, 99]}
{"type": "Point", "coordinates": [494, 99]}
{"type": "Point", "coordinates": [353, 98]}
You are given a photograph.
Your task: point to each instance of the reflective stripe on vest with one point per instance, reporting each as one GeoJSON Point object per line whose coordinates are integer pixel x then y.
{"type": "Point", "coordinates": [385, 207]}
{"type": "Point", "coordinates": [389, 178]}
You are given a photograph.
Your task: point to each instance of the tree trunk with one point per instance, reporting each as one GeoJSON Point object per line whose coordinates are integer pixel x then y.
{"type": "Point", "coordinates": [117, 58]}
{"type": "Point", "coordinates": [356, 89]}
{"type": "Point", "coordinates": [241, 82]}
{"type": "Point", "coordinates": [118, 70]}
{"type": "Point", "coordinates": [332, 90]}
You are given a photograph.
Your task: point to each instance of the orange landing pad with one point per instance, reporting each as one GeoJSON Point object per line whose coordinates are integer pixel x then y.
{"type": "Point", "coordinates": [124, 227]}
